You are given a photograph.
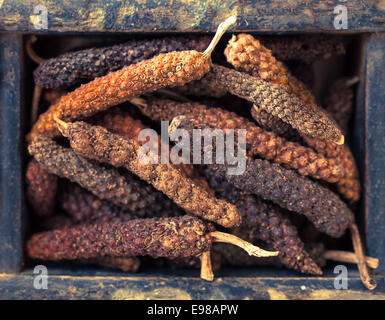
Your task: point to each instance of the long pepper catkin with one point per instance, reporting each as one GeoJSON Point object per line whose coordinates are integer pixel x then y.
{"type": "Point", "coordinates": [268, 223]}
{"type": "Point", "coordinates": [304, 48]}
{"type": "Point", "coordinates": [259, 142]}
{"type": "Point", "coordinates": [125, 191]}
{"type": "Point", "coordinates": [73, 68]}
{"type": "Point", "coordinates": [278, 102]}
{"type": "Point", "coordinates": [97, 143]}
{"type": "Point", "coordinates": [177, 237]}
{"type": "Point", "coordinates": [284, 187]}
{"type": "Point", "coordinates": [41, 189]}
{"type": "Point", "coordinates": [165, 70]}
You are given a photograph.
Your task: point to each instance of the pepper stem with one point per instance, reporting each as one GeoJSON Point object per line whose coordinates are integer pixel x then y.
{"type": "Point", "coordinates": [247, 246]}
{"type": "Point", "coordinates": [222, 28]}
{"type": "Point", "coordinates": [138, 102]}
{"type": "Point", "coordinates": [31, 53]}
{"type": "Point", "coordinates": [61, 125]}
{"type": "Point", "coordinates": [349, 257]}
{"type": "Point", "coordinates": [366, 278]}
{"type": "Point", "coordinates": [206, 269]}
{"type": "Point", "coordinates": [35, 102]}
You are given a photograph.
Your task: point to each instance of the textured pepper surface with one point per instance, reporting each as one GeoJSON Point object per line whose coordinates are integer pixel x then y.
{"type": "Point", "coordinates": [165, 70]}
{"type": "Point", "coordinates": [304, 48]}
{"type": "Point", "coordinates": [259, 142]}
{"type": "Point", "coordinates": [247, 54]}
{"type": "Point", "coordinates": [158, 237]}
{"type": "Point", "coordinates": [97, 143]}
{"type": "Point", "coordinates": [276, 101]}
{"type": "Point", "coordinates": [41, 189]}
{"type": "Point", "coordinates": [286, 188]}
{"type": "Point", "coordinates": [125, 191]}
{"type": "Point", "coordinates": [78, 67]}
{"type": "Point", "coordinates": [268, 223]}
{"type": "Point", "coordinates": [126, 264]}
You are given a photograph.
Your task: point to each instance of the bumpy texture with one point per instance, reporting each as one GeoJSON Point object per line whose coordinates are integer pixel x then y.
{"type": "Point", "coordinates": [97, 143]}
{"type": "Point", "coordinates": [286, 188]}
{"type": "Point", "coordinates": [304, 48]}
{"type": "Point", "coordinates": [268, 223]}
{"type": "Point", "coordinates": [339, 102]}
{"type": "Point", "coordinates": [78, 67]}
{"type": "Point", "coordinates": [247, 54]}
{"type": "Point", "coordinates": [125, 191]}
{"type": "Point", "coordinates": [41, 189]}
{"type": "Point", "coordinates": [158, 237]}
{"type": "Point", "coordinates": [276, 101]}
{"type": "Point", "coordinates": [169, 69]}
{"type": "Point", "coordinates": [259, 142]}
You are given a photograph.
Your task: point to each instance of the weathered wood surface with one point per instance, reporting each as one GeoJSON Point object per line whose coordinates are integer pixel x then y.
{"type": "Point", "coordinates": [11, 195]}
{"type": "Point", "coordinates": [370, 142]}
{"type": "Point", "coordinates": [250, 284]}
{"type": "Point", "coordinates": [183, 15]}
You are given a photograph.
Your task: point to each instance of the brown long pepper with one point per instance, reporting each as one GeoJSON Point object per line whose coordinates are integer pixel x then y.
{"type": "Point", "coordinates": [97, 143]}
{"type": "Point", "coordinates": [259, 142]}
{"type": "Point", "coordinates": [158, 237]}
{"type": "Point", "coordinates": [165, 70]}
{"type": "Point", "coordinates": [276, 101]}
{"type": "Point", "coordinates": [123, 190]}
{"type": "Point", "coordinates": [268, 223]}
{"type": "Point", "coordinates": [284, 187]}
{"type": "Point", "coordinates": [41, 189]}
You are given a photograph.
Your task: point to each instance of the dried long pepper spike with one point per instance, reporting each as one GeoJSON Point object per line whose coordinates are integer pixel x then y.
{"type": "Point", "coordinates": [74, 68]}
{"type": "Point", "coordinates": [268, 223]}
{"type": "Point", "coordinates": [165, 70]}
{"type": "Point", "coordinates": [339, 101]}
{"type": "Point", "coordinates": [106, 183]}
{"type": "Point", "coordinates": [97, 143]}
{"type": "Point", "coordinates": [158, 237]}
{"type": "Point", "coordinates": [259, 142]}
{"type": "Point", "coordinates": [276, 101]}
{"type": "Point", "coordinates": [247, 54]}
{"type": "Point", "coordinates": [286, 188]}
{"type": "Point", "coordinates": [365, 275]}
{"type": "Point", "coordinates": [41, 189]}
{"type": "Point", "coordinates": [304, 48]}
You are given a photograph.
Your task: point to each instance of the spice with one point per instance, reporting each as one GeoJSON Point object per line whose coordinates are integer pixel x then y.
{"type": "Point", "coordinates": [278, 102]}
{"type": "Point", "coordinates": [339, 101]}
{"type": "Point", "coordinates": [247, 54]}
{"type": "Point", "coordinates": [286, 188]}
{"type": "Point", "coordinates": [74, 68]}
{"type": "Point", "coordinates": [123, 190]}
{"type": "Point", "coordinates": [165, 70]}
{"type": "Point", "coordinates": [126, 264]}
{"type": "Point", "coordinates": [97, 143]}
{"type": "Point", "coordinates": [303, 47]}
{"type": "Point", "coordinates": [259, 142]}
{"type": "Point", "coordinates": [158, 237]}
{"type": "Point", "coordinates": [41, 189]}
{"type": "Point", "coordinates": [268, 223]}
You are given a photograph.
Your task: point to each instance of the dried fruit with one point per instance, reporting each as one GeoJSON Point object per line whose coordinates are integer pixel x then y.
{"type": "Point", "coordinates": [165, 70]}
{"type": "Point", "coordinates": [78, 67]}
{"type": "Point", "coordinates": [286, 188]}
{"type": "Point", "coordinates": [259, 142]}
{"type": "Point", "coordinates": [41, 189]}
{"type": "Point", "coordinates": [276, 101]}
{"type": "Point", "coordinates": [268, 223]}
{"type": "Point", "coordinates": [125, 191]}
{"type": "Point", "coordinates": [97, 143]}
{"type": "Point", "coordinates": [158, 237]}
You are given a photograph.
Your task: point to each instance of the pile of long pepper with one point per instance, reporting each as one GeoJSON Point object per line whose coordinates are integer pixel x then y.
{"type": "Point", "coordinates": [86, 160]}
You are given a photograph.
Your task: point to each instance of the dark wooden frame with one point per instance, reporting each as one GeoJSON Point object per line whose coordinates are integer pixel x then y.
{"type": "Point", "coordinates": [261, 16]}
